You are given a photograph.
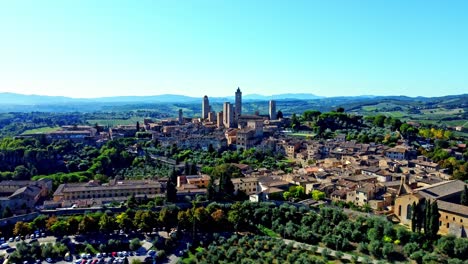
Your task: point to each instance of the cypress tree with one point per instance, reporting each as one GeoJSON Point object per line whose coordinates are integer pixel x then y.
{"type": "Point", "coordinates": [211, 191]}
{"type": "Point", "coordinates": [427, 217]}
{"type": "Point", "coordinates": [434, 223]}
{"type": "Point", "coordinates": [171, 191]}
{"type": "Point", "coordinates": [414, 220]}
{"type": "Point", "coordinates": [464, 197]}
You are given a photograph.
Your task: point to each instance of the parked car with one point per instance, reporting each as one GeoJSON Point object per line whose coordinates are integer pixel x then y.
{"type": "Point", "coordinates": [68, 257]}
{"type": "Point", "coordinates": [4, 245]}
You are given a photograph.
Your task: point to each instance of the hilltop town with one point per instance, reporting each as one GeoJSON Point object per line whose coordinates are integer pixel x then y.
{"type": "Point", "coordinates": [365, 165]}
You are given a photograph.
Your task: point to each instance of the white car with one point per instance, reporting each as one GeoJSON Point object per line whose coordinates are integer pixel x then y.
{"type": "Point", "coordinates": [4, 245]}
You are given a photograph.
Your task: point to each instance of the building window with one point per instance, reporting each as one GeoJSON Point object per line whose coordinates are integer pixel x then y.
{"type": "Point", "coordinates": [448, 225]}
{"type": "Point", "coordinates": [399, 210]}
{"type": "Point", "coordinates": [453, 218]}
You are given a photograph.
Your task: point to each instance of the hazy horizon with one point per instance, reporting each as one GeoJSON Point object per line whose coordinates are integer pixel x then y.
{"type": "Point", "coordinates": [232, 95]}
{"type": "Point", "coordinates": [90, 49]}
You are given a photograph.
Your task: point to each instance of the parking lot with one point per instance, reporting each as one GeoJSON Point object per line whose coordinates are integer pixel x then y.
{"type": "Point", "coordinates": [144, 253]}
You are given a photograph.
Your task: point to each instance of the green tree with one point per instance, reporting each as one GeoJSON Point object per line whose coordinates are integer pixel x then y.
{"type": "Point", "coordinates": [388, 250]}
{"type": "Point", "coordinates": [124, 221]}
{"type": "Point", "coordinates": [132, 202]}
{"type": "Point", "coordinates": [39, 222]}
{"type": "Point", "coordinates": [87, 224]}
{"type": "Point", "coordinates": [60, 228]}
{"type": "Point", "coordinates": [7, 212]}
{"type": "Point", "coordinates": [279, 114]}
{"type": "Point", "coordinates": [106, 223]}
{"type": "Point", "coordinates": [431, 220]}
{"type": "Point", "coordinates": [295, 123]}
{"type": "Point", "coordinates": [21, 229]}
{"type": "Point", "coordinates": [318, 195]}
{"type": "Point", "coordinates": [135, 244]}
{"type": "Point", "coordinates": [211, 191]}
{"type": "Point", "coordinates": [379, 120]}
{"type": "Point", "coordinates": [310, 115]}
{"type": "Point", "coordinates": [21, 173]}
{"type": "Point", "coordinates": [464, 196]}
{"type": "Point", "coordinates": [171, 191]}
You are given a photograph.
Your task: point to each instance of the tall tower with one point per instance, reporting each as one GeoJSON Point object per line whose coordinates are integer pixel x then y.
{"type": "Point", "coordinates": [219, 119]}
{"type": "Point", "coordinates": [272, 109]}
{"type": "Point", "coordinates": [205, 107]}
{"type": "Point", "coordinates": [238, 104]}
{"type": "Point", "coordinates": [181, 117]}
{"type": "Point", "coordinates": [228, 115]}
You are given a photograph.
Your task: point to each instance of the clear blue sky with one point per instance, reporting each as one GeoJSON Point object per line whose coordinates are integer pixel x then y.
{"type": "Point", "coordinates": [104, 48]}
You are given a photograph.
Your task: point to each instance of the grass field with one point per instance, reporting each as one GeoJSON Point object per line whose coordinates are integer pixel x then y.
{"type": "Point", "coordinates": [442, 111]}
{"type": "Point", "coordinates": [268, 232]}
{"type": "Point", "coordinates": [302, 134]}
{"type": "Point", "coordinates": [41, 130]}
{"type": "Point", "coordinates": [115, 122]}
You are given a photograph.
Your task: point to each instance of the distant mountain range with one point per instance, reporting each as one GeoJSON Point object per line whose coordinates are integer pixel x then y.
{"type": "Point", "coordinates": [22, 99]}
{"type": "Point", "coordinates": [288, 103]}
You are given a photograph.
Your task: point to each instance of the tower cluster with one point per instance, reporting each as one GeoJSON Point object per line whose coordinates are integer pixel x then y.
{"type": "Point", "coordinates": [231, 113]}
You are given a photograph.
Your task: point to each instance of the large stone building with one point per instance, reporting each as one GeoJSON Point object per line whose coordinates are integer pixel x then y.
{"type": "Point", "coordinates": [116, 191]}
{"type": "Point", "coordinates": [396, 153]}
{"type": "Point", "coordinates": [453, 216]}
{"type": "Point", "coordinates": [21, 196]}
{"type": "Point", "coordinates": [250, 134]}
{"type": "Point", "coordinates": [249, 185]}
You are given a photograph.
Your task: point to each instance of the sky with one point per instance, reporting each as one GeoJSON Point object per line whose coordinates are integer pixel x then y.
{"type": "Point", "coordinates": [92, 48]}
